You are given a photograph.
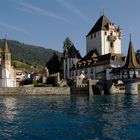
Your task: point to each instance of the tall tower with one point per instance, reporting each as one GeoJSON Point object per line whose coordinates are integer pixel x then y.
{"type": "Point", "coordinates": [6, 55]}
{"type": "Point", "coordinates": [105, 37]}
{"type": "Point", "coordinates": [7, 73]}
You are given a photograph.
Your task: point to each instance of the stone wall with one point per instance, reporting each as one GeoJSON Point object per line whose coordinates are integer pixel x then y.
{"type": "Point", "coordinates": [35, 91]}
{"type": "Point", "coordinates": [79, 90]}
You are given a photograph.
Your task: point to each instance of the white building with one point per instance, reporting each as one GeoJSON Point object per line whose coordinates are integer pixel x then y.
{"type": "Point", "coordinates": [7, 73]}
{"type": "Point", "coordinates": [105, 37]}
{"type": "Point", "coordinates": [71, 58]}
{"type": "Point", "coordinates": [103, 44]}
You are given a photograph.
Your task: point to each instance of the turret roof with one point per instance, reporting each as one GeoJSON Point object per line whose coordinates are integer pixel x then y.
{"type": "Point", "coordinates": [101, 24]}
{"type": "Point", "coordinates": [131, 61]}
{"type": "Point", "coordinates": [5, 46]}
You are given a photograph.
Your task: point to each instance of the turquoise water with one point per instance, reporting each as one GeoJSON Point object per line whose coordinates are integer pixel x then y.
{"type": "Point", "coordinates": [70, 118]}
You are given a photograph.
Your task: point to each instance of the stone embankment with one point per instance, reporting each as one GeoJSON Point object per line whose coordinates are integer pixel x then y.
{"type": "Point", "coordinates": [21, 91]}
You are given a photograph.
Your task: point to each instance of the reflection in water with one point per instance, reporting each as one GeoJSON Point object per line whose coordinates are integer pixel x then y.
{"type": "Point", "coordinates": [73, 118]}
{"type": "Point", "coordinates": [10, 108]}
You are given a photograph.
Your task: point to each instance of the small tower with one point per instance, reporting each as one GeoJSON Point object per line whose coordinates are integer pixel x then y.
{"type": "Point", "coordinates": [105, 37]}
{"type": "Point", "coordinates": [6, 55]}
{"type": "Point", "coordinates": [72, 57]}
{"type": "Point", "coordinates": [129, 73]}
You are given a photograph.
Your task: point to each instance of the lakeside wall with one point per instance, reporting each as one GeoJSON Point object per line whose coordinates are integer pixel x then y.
{"type": "Point", "coordinates": [21, 91]}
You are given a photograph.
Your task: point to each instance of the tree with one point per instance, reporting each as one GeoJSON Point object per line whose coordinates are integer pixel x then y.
{"type": "Point", "coordinates": [66, 45]}
{"type": "Point", "coordinates": [54, 64]}
{"type": "Point", "coordinates": [138, 56]}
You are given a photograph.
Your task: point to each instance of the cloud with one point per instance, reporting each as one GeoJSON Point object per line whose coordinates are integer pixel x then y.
{"type": "Point", "coordinates": [12, 27]}
{"type": "Point", "coordinates": [26, 7]}
{"type": "Point", "coordinates": [74, 10]}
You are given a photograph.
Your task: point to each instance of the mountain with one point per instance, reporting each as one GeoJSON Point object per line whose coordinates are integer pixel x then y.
{"type": "Point", "coordinates": [29, 54]}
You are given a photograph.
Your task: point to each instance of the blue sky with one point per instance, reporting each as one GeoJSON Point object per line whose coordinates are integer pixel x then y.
{"type": "Point", "coordinates": [48, 22]}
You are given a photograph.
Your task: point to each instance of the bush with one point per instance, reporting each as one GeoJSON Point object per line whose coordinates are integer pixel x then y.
{"type": "Point", "coordinates": [40, 85]}
{"type": "Point", "coordinates": [52, 81]}
{"type": "Point", "coordinates": [70, 82]}
{"type": "Point", "coordinates": [26, 82]}
{"type": "Point", "coordinates": [139, 87]}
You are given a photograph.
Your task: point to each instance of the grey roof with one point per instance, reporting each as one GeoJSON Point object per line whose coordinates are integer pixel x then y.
{"type": "Point", "coordinates": [101, 24]}
{"type": "Point", "coordinates": [90, 55]}
{"type": "Point", "coordinates": [91, 60]}
{"type": "Point", "coordinates": [73, 53]}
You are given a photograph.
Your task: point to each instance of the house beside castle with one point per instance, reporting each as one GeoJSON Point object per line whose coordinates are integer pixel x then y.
{"type": "Point", "coordinates": [103, 51]}
{"type": "Point", "coordinates": [71, 57]}
{"type": "Point", "coordinates": [7, 73]}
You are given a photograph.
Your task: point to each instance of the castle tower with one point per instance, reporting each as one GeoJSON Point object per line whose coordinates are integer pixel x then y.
{"type": "Point", "coordinates": [131, 72]}
{"type": "Point", "coordinates": [105, 37]}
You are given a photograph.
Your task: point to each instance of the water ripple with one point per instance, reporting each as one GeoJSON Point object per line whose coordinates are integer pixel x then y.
{"type": "Point", "coordinates": [70, 117]}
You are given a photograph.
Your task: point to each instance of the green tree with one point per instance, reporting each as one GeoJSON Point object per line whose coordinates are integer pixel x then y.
{"type": "Point", "coordinates": [66, 45]}
{"type": "Point", "coordinates": [138, 56]}
{"type": "Point", "coordinates": [54, 64]}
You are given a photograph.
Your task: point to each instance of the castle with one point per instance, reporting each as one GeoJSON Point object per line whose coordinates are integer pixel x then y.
{"type": "Point", "coordinates": [104, 67]}
{"type": "Point", "coordinates": [103, 51]}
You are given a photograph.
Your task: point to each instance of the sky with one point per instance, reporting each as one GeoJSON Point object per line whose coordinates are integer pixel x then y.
{"type": "Point", "coordinates": [47, 23]}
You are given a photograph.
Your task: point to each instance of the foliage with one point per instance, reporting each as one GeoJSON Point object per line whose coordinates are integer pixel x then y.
{"type": "Point", "coordinates": [26, 82]}
{"type": "Point", "coordinates": [29, 54]}
{"type": "Point", "coordinates": [54, 64]}
{"type": "Point", "coordinates": [66, 45]}
{"type": "Point", "coordinates": [19, 64]}
{"type": "Point", "coordinates": [139, 87]}
{"type": "Point", "coordinates": [70, 82]}
{"type": "Point", "coordinates": [40, 85]}
{"type": "Point", "coordinates": [138, 56]}
{"type": "Point", "coordinates": [52, 81]}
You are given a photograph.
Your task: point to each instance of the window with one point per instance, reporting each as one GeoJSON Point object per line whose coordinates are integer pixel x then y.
{"type": "Point", "coordinates": [94, 35]}
{"type": "Point", "coordinates": [3, 57]}
{"type": "Point", "coordinates": [111, 44]}
{"type": "Point", "coordinates": [91, 36]}
{"type": "Point", "coordinates": [105, 33]}
{"type": "Point", "coordinates": [91, 69]}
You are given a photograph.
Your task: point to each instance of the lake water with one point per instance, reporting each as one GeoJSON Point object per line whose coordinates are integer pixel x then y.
{"type": "Point", "coordinates": [70, 118]}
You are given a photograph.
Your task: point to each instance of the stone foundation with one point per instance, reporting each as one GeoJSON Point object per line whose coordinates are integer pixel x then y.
{"type": "Point", "coordinates": [131, 88]}
{"type": "Point", "coordinates": [21, 91]}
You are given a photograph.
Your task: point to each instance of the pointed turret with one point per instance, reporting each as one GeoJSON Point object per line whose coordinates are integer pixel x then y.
{"type": "Point", "coordinates": [6, 55]}
{"type": "Point", "coordinates": [131, 61]}
{"type": "Point", "coordinates": [5, 46]}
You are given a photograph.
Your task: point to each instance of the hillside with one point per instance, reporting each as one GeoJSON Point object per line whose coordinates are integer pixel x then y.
{"type": "Point", "coordinates": [29, 54]}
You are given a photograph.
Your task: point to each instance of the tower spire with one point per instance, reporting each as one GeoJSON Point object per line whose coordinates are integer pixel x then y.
{"type": "Point", "coordinates": [130, 37]}
{"type": "Point", "coordinates": [5, 46]}
{"type": "Point", "coordinates": [103, 11]}
{"type": "Point", "coordinates": [131, 61]}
